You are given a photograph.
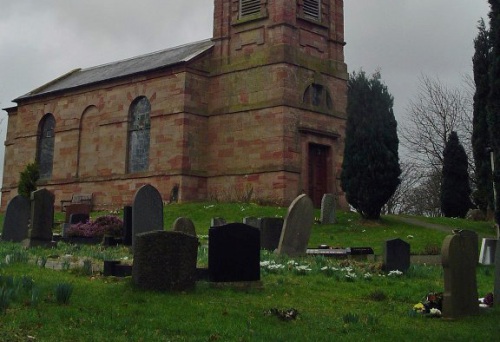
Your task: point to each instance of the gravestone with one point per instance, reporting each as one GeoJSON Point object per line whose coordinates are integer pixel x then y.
{"type": "Point", "coordinates": [270, 232]}
{"type": "Point", "coordinates": [147, 211]}
{"type": "Point", "coordinates": [234, 253]}
{"type": "Point", "coordinates": [78, 208]}
{"type": "Point", "coordinates": [42, 218]}
{"type": "Point", "coordinates": [496, 289]}
{"type": "Point", "coordinates": [396, 255]}
{"type": "Point", "coordinates": [488, 249]}
{"type": "Point", "coordinates": [127, 225]}
{"type": "Point", "coordinates": [459, 255]}
{"type": "Point", "coordinates": [297, 227]}
{"type": "Point", "coordinates": [78, 218]}
{"type": "Point", "coordinates": [252, 221]}
{"type": "Point", "coordinates": [17, 218]}
{"type": "Point", "coordinates": [327, 209]}
{"type": "Point", "coordinates": [217, 221]}
{"type": "Point", "coordinates": [165, 260]}
{"type": "Point", "coordinates": [184, 225]}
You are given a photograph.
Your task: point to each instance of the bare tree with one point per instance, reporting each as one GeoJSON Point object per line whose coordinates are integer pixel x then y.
{"type": "Point", "coordinates": [431, 116]}
{"type": "Point", "coordinates": [401, 200]}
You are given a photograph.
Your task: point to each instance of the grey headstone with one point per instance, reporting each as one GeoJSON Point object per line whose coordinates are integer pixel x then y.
{"type": "Point", "coordinates": [459, 255]}
{"type": "Point", "coordinates": [184, 225]}
{"type": "Point", "coordinates": [297, 227]}
{"type": "Point", "coordinates": [487, 254]}
{"type": "Point", "coordinates": [496, 290]}
{"type": "Point", "coordinates": [217, 221]}
{"type": "Point", "coordinates": [396, 255]}
{"type": "Point", "coordinates": [42, 217]}
{"type": "Point", "coordinates": [252, 221]}
{"type": "Point", "coordinates": [17, 218]}
{"type": "Point", "coordinates": [165, 260]}
{"type": "Point", "coordinates": [328, 209]}
{"type": "Point", "coordinates": [147, 211]}
{"type": "Point", "coordinates": [270, 232]}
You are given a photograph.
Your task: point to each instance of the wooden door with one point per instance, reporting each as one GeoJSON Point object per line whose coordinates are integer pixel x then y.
{"type": "Point", "coordinates": [318, 172]}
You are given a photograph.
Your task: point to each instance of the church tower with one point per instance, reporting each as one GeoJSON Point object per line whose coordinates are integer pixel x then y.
{"type": "Point", "coordinates": [277, 98]}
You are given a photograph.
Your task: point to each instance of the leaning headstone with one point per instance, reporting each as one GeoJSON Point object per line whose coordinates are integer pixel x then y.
{"type": "Point", "coordinates": [252, 221]}
{"type": "Point", "coordinates": [234, 253]}
{"type": "Point", "coordinates": [488, 249]}
{"type": "Point", "coordinates": [42, 218]}
{"type": "Point", "coordinates": [297, 227]}
{"type": "Point", "coordinates": [217, 221]}
{"type": "Point", "coordinates": [147, 211]}
{"type": "Point", "coordinates": [165, 260]}
{"type": "Point", "coordinates": [327, 209]}
{"type": "Point", "coordinates": [459, 255]}
{"type": "Point", "coordinates": [396, 255]}
{"type": "Point", "coordinates": [17, 218]}
{"type": "Point", "coordinates": [184, 225]}
{"type": "Point", "coordinates": [270, 232]}
{"type": "Point", "coordinates": [127, 225]}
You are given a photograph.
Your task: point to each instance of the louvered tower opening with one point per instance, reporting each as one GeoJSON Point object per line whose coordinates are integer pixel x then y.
{"type": "Point", "coordinates": [312, 9]}
{"type": "Point", "coordinates": [249, 7]}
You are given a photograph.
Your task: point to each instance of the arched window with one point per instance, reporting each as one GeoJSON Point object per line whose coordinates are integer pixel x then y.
{"type": "Point", "coordinates": [138, 135]}
{"type": "Point", "coordinates": [45, 145]}
{"type": "Point", "coordinates": [317, 95]}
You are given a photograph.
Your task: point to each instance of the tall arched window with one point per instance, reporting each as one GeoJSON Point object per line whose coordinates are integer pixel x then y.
{"type": "Point", "coordinates": [45, 145]}
{"type": "Point", "coordinates": [88, 146]}
{"type": "Point", "coordinates": [138, 135]}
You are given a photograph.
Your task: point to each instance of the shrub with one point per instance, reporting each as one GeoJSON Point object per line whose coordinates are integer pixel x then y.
{"type": "Point", "coordinates": [104, 225]}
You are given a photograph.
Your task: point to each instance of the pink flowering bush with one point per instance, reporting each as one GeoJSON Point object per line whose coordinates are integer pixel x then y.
{"type": "Point", "coordinates": [104, 225]}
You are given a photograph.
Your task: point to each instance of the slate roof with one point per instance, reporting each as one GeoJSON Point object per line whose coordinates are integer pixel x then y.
{"type": "Point", "coordinates": [127, 67]}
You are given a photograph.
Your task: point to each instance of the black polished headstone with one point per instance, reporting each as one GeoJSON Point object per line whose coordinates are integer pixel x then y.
{"type": "Point", "coordinates": [270, 232]}
{"type": "Point", "coordinates": [234, 253]}
{"type": "Point", "coordinates": [17, 218]}
{"type": "Point", "coordinates": [396, 255]}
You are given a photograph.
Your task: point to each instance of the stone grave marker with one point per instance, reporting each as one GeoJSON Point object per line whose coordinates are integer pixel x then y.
{"type": "Point", "coordinates": [234, 253]}
{"type": "Point", "coordinates": [297, 227]}
{"type": "Point", "coordinates": [17, 218]}
{"type": "Point", "coordinates": [396, 255]}
{"type": "Point", "coordinates": [488, 249]}
{"type": "Point", "coordinates": [42, 218]}
{"type": "Point", "coordinates": [270, 232]}
{"type": "Point", "coordinates": [496, 288]}
{"type": "Point", "coordinates": [127, 225]}
{"type": "Point", "coordinates": [165, 260]}
{"type": "Point", "coordinates": [77, 208]}
{"type": "Point", "coordinates": [252, 221]}
{"type": "Point", "coordinates": [327, 209]}
{"type": "Point", "coordinates": [459, 255]}
{"type": "Point", "coordinates": [147, 211]}
{"type": "Point", "coordinates": [184, 225]}
{"type": "Point", "coordinates": [217, 221]}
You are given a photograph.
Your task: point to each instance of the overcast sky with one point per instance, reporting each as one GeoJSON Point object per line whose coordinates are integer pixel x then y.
{"type": "Point", "coordinates": [41, 40]}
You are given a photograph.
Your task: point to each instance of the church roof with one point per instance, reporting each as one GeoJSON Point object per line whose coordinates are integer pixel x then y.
{"type": "Point", "coordinates": [127, 67]}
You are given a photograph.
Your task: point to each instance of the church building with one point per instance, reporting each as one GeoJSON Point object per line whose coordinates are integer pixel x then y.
{"type": "Point", "coordinates": [257, 112]}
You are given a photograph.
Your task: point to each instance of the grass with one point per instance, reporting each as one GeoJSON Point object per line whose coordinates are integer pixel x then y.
{"type": "Point", "coordinates": [330, 304]}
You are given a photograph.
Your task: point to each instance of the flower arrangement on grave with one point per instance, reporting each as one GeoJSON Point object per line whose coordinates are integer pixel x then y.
{"type": "Point", "coordinates": [107, 225]}
{"type": "Point", "coordinates": [432, 304]}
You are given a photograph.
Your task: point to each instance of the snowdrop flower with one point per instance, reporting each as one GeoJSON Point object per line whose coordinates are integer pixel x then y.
{"type": "Point", "coordinates": [395, 273]}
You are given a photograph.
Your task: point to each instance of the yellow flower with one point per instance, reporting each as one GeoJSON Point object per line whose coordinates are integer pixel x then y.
{"type": "Point", "coordinates": [419, 307]}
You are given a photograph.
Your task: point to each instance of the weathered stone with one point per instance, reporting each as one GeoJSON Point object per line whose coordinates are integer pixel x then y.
{"type": "Point", "coordinates": [184, 225]}
{"type": "Point", "coordinates": [270, 232]}
{"type": "Point", "coordinates": [234, 253]}
{"type": "Point", "coordinates": [396, 255]}
{"type": "Point", "coordinates": [165, 261]}
{"type": "Point", "coordinates": [459, 255]}
{"type": "Point", "coordinates": [327, 209]}
{"type": "Point", "coordinates": [217, 221]}
{"type": "Point", "coordinates": [17, 218]}
{"type": "Point", "coordinates": [147, 211]}
{"type": "Point", "coordinates": [297, 227]}
{"type": "Point", "coordinates": [42, 218]}
{"type": "Point", "coordinates": [488, 249]}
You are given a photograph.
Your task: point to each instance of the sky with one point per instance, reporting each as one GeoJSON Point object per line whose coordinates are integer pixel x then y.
{"type": "Point", "coordinates": [404, 39]}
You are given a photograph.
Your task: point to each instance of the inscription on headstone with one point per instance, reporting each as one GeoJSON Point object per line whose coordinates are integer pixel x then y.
{"type": "Point", "coordinates": [459, 255]}
{"type": "Point", "coordinates": [165, 260]}
{"type": "Point", "coordinates": [147, 211]}
{"type": "Point", "coordinates": [17, 218]}
{"type": "Point", "coordinates": [297, 227]}
{"type": "Point", "coordinates": [396, 255]}
{"type": "Point", "coordinates": [234, 253]}
{"type": "Point", "coordinates": [328, 209]}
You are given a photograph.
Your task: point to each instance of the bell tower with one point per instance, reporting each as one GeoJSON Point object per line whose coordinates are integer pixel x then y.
{"type": "Point", "coordinates": [278, 67]}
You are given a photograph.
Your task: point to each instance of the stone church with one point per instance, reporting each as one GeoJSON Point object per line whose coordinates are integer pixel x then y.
{"type": "Point", "coordinates": [258, 111]}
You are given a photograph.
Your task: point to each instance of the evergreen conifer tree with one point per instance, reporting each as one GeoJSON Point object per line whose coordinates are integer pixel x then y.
{"type": "Point", "coordinates": [28, 178]}
{"type": "Point", "coordinates": [483, 196]}
{"type": "Point", "coordinates": [370, 171]}
{"type": "Point", "coordinates": [455, 187]}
